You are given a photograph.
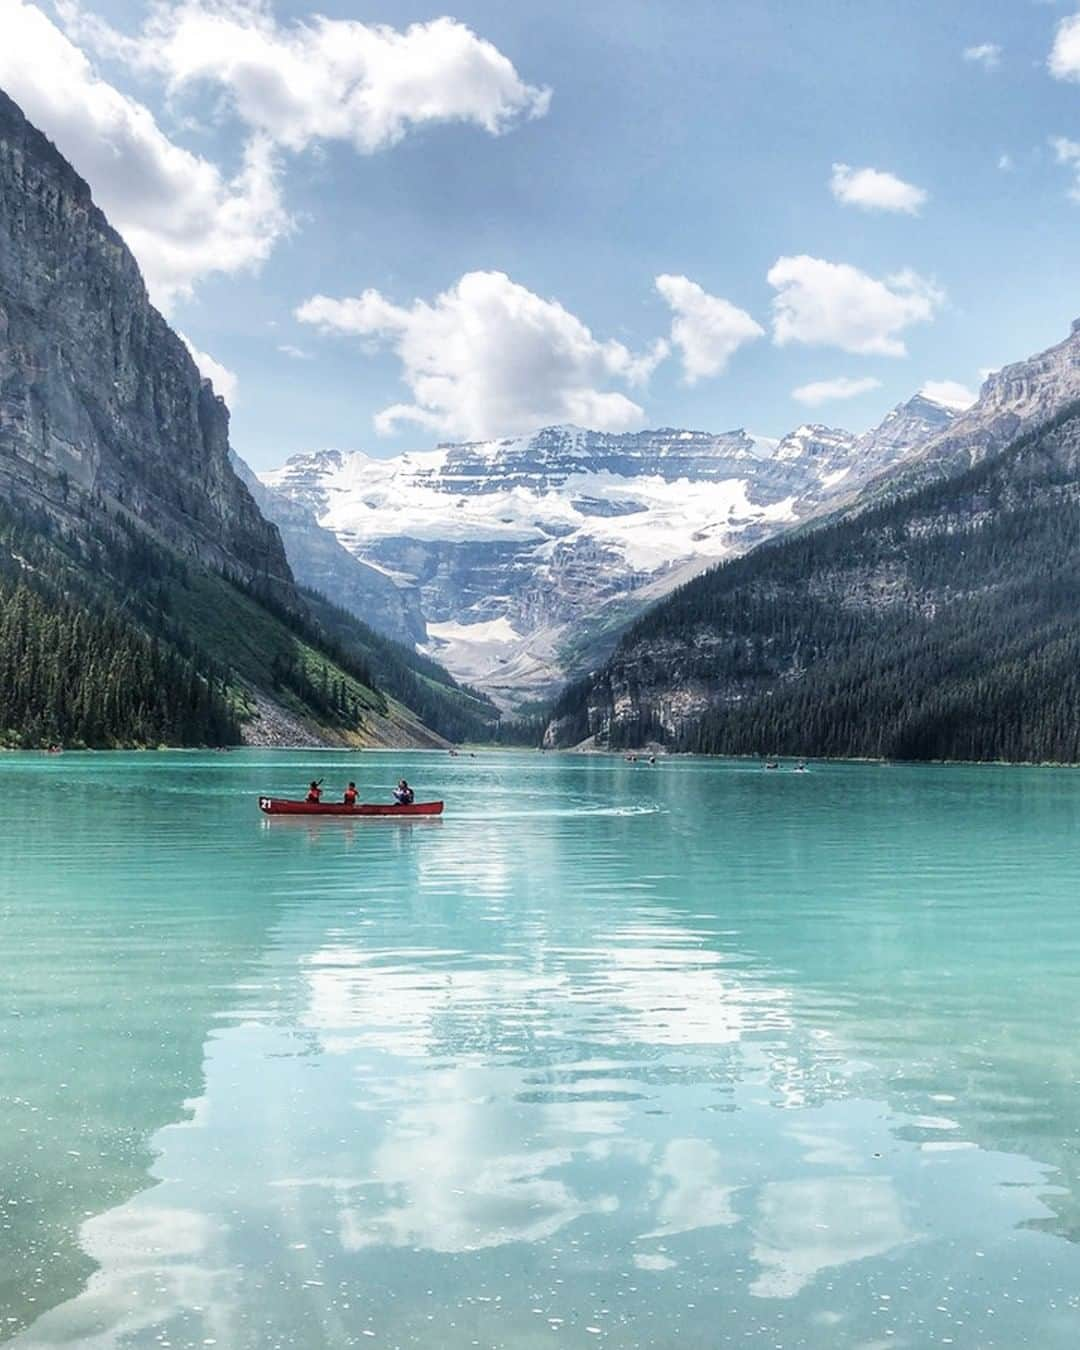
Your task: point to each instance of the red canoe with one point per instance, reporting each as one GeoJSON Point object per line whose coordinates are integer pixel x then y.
{"type": "Point", "coordinates": [280, 806]}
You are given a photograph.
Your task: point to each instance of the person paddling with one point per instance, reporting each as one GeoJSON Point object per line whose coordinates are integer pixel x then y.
{"type": "Point", "coordinates": [351, 795]}
{"type": "Point", "coordinates": [403, 794]}
{"type": "Point", "coordinates": [314, 793]}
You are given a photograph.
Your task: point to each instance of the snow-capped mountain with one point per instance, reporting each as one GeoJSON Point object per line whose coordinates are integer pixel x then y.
{"type": "Point", "coordinates": [522, 551]}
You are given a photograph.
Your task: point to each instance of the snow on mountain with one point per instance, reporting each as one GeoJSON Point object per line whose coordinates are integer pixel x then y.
{"type": "Point", "coordinates": [812, 444]}
{"type": "Point", "coordinates": [648, 518]}
{"type": "Point", "coordinates": [520, 549]}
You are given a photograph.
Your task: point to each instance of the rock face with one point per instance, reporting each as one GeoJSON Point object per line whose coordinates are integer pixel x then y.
{"type": "Point", "coordinates": [1012, 400]}
{"type": "Point", "coordinates": [527, 555]}
{"type": "Point", "coordinates": [823, 451]}
{"type": "Point", "coordinates": [320, 562]}
{"type": "Point", "coordinates": [96, 391]}
{"type": "Point", "coordinates": [909, 426]}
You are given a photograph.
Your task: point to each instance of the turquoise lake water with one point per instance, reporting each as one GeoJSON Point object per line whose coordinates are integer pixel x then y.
{"type": "Point", "coordinates": [692, 1055]}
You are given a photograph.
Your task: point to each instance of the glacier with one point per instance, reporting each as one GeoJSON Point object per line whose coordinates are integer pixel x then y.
{"type": "Point", "coordinates": [526, 556]}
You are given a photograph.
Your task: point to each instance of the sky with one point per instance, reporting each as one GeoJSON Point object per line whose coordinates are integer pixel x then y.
{"type": "Point", "coordinates": [384, 226]}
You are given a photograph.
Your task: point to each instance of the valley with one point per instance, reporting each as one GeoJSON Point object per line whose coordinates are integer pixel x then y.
{"type": "Point", "coordinates": [525, 558]}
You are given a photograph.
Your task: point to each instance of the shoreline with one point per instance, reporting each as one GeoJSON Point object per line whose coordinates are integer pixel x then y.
{"type": "Point", "coordinates": [467, 749]}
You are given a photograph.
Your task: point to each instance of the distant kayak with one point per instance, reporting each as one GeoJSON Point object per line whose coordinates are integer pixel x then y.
{"type": "Point", "coordinates": [281, 806]}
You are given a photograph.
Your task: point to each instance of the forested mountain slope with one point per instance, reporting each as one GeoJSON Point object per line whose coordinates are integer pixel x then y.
{"type": "Point", "coordinates": [144, 599]}
{"type": "Point", "coordinates": [109, 639]}
{"type": "Point", "coordinates": [941, 624]}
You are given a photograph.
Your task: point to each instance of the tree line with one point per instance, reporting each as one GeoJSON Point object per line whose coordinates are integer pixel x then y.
{"type": "Point", "coordinates": [943, 623]}
{"type": "Point", "coordinates": [74, 677]}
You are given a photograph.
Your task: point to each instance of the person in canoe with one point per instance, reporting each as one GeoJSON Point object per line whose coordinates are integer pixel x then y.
{"type": "Point", "coordinates": [351, 795]}
{"type": "Point", "coordinates": [403, 794]}
{"type": "Point", "coordinates": [314, 793]}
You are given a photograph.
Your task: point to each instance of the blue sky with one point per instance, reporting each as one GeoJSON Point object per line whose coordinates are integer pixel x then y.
{"type": "Point", "coordinates": [688, 140]}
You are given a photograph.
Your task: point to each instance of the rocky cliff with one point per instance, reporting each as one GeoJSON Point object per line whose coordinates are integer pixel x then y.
{"type": "Point", "coordinates": [320, 562]}
{"type": "Point", "coordinates": [1011, 401]}
{"type": "Point", "coordinates": [100, 403]}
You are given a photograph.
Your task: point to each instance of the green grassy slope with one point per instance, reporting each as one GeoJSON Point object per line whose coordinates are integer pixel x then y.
{"type": "Point", "coordinates": [453, 710]}
{"type": "Point", "coordinates": [110, 639]}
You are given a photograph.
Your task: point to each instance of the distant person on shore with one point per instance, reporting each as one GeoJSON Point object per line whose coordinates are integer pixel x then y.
{"type": "Point", "coordinates": [403, 794]}
{"type": "Point", "coordinates": [351, 795]}
{"type": "Point", "coordinates": [314, 793]}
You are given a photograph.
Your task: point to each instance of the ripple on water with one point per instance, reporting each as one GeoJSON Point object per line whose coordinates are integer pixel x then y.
{"type": "Point", "coordinates": [660, 1058]}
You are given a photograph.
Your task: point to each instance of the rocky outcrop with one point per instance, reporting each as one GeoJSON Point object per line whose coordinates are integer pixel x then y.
{"type": "Point", "coordinates": [101, 406]}
{"type": "Point", "coordinates": [902, 432]}
{"type": "Point", "coordinates": [546, 460]}
{"type": "Point", "coordinates": [1012, 400]}
{"type": "Point", "coordinates": [816, 448]}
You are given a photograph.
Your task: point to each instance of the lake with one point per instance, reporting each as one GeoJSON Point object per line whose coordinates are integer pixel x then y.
{"type": "Point", "coordinates": [691, 1055]}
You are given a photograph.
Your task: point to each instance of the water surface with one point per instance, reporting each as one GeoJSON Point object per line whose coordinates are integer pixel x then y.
{"type": "Point", "coordinates": [690, 1055]}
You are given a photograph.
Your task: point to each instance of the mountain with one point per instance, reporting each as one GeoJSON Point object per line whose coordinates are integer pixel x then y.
{"type": "Point", "coordinates": [528, 556]}
{"type": "Point", "coordinates": [322, 564]}
{"type": "Point", "coordinates": [900, 436]}
{"type": "Point", "coordinates": [144, 598]}
{"type": "Point", "coordinates": [935, 617]}
{"type": "Point", "coordinates": [99, 396]}
{"type": "Point", "coordinates": [1011, 401]}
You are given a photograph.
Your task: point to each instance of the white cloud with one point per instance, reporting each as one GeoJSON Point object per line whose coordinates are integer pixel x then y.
{"type": "Point", "coordinates": [950, 393]}
{"type": "Point", "coordinates": [1064, 60]}
{"type": "Point", "coordinates": [706, 329]}
{"type": "Point", "coordinates": [181, 216]}
{"type": "Point", "coordinates": [488, 358]}
{"type": "Point", "coordinates": [830, 304]}
{"type": "Point", "coordinates": [875, 190]}
{"type": "Point", "coordinates": [1068, 152]}
{"type": "Point", "coordinates": [827, 391]}
{"type": "Point", "coordinates": [297, 353]}
{"type": "Point", "coordinates": [224, 380]}
{"type": "Point", "coordinates": [985, 54]}
{"type": "Point", "coordinates": [329, 79]}
{"type": "Point", "coordinates": [1006, 163]}
{"type": "Point", "coordinates": [803, 1228]}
